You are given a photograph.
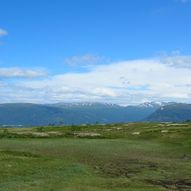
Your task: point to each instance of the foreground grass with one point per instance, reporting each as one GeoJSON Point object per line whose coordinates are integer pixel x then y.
{"type": "Point", "coordinates": [123, 157]}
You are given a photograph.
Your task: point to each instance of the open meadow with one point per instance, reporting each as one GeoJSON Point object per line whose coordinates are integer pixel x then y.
{"type": "Point", "coordinates": [118, 157]}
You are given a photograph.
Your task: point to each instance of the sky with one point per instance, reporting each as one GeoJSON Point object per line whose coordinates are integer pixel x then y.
{"type": "Point", "coordinates": [115, 51]}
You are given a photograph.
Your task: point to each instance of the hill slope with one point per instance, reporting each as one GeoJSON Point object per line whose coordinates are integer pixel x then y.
{"type": "Point", "coordinates": [61, 113]}
{"type": "Point", "coordinates": [176, 112]}
{"type": "Point", "coordinates": [29, 114]}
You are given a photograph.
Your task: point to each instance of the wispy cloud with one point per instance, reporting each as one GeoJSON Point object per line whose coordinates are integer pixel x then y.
{"type": "Point", "coordinates": [22, 73]}
{"type": "Point", "coordinates": [84, 61]}
{"type": "Point", "coordinates": [183, 1]}
{"type": "Point", "coordinates": [3, 32]}
{"type": "Point", "coordinates": [177, 61]}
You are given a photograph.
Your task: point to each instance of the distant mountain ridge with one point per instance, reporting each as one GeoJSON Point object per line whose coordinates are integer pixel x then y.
{"type": "Point", "coordinates": [27, 114]}
{"type": "Point", "coordinates": [176, 112]}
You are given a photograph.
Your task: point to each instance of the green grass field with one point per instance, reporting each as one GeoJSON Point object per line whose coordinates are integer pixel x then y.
{"type": "Point", "coordinates": [120, 157]}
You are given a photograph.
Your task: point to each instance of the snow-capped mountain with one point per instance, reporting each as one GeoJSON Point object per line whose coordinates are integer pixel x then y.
{"type": "Point", "coordinates": [70, 113]}
{"type": "Point", "coordinates": [26, 114]}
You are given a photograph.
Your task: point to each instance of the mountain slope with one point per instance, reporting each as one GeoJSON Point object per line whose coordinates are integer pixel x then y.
{"type": "Point", "coordinates": [176, 112]}
{"type": "Point", "coordinates": [29, 114]}
{"type": "Point", "coordinates": [71, 113]}
{"type": "Point", "coordinates": [105, 113]}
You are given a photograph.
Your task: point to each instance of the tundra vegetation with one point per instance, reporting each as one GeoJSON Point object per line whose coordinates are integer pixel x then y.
{"type": "Point", "coordinates": [117, 157]}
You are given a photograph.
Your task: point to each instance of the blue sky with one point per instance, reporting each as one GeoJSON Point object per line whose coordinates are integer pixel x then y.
{"type": "Point", "coordinates": [42, 41]}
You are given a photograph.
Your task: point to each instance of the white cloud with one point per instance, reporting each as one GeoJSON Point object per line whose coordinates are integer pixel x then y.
{"type": "Point", "coordinates": [3, 32]}
{"type": "Point", "coordinates": [19, 72]}
{"type": "Point", "coordinates": [85, 60]}
{"type": "Point", "coordinates": [127, 82]}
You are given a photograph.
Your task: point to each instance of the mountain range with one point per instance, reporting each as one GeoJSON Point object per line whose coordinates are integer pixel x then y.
{"type": "Point", "coordinates": [177, 112]}
{"type": "Point", "coordinates": [27, 114]}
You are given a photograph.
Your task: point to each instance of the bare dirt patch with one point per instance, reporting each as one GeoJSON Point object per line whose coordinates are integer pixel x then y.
{"type": "Point", "coordinates": [180, 185]}
{"type": "Point", "coordinates": [124, 168]}
{"type": "Point", "coordinates": [87, 134]}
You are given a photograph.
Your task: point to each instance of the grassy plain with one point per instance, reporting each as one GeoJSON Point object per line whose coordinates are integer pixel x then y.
{"type": "Point", "coordinates": [118, 157]}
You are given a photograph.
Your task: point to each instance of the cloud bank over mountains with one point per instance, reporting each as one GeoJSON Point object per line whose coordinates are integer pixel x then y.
{"type": "Point", "coordinates": [124, 82]}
